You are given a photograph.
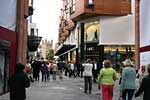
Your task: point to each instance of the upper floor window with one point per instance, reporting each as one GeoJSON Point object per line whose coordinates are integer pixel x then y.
{"type": "Point", "coordinates": [32, 31]}
{"type": "Point", "coordinates": [72, 6]}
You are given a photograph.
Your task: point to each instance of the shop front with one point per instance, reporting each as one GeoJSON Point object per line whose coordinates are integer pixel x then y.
{"type": "Point", "coordinates": [8, 46]}
{"type": "Point", "coordinates": [107, 37]}
{"type": "Point", "coordinates": [88, 41]}
{"type": "Point", "coordinates": [117, 34]}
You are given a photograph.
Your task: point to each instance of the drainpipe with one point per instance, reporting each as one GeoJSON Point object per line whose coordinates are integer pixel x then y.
{"type": "Point", "coordinates": [137, 34]}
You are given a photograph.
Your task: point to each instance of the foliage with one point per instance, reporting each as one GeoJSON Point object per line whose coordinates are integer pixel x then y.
{"type": "Point", "coordinates": [50, 54]}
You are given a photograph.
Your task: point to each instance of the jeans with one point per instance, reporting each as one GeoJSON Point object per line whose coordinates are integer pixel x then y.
{"type": "Point", "coordinates": [60, 74]}
{"type": "Point", "coordinates": [44, 77]}
{"type": "Point", "coordinates": [87, 83]}
{"type": "Point", "coordinates": [54, 75]}
{"type": "Point", "coordinates": [129, 92]}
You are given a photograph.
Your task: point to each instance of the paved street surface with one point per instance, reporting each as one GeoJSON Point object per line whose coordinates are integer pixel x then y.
{"type": "Point", "coordinates": [67, 89]}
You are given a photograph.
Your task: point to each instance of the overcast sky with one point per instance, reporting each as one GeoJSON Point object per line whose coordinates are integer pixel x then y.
{"type": "Point", "coordinates": [46, 15]}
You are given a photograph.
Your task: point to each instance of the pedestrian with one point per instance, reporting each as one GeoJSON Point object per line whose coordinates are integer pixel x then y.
{"type": "Point", "coordinates": [81, 69]}
{"type": "Point", "coordinates": [48, 69]}
{"type": "Point", "coordinates": [107, 77]}
{"type": "Point", "coordinates": [69, 68]}
{"type": "Point", "coordinates": [88, 76]}
{"type": "Point", "coordinates": [18, 83]}
{"type": "Point", "coordinates": [95, 71]}
{"type": "Point", "coordinates": [145, 86]}
{"type": "Point", "coordinates": [60, 65]}
{"type": "Point", "coordinates": [44, 71]}
{"type": "Point", "coordinates": [142, 74]}
{"type": "Point", "coordinates": [72, 68]}
{"type": "Point", "coordinates": [55, 68]}
{"type": "Point", "coordinates": [128, 85]}
{"type": "Point", "coordinates": [28, 71]}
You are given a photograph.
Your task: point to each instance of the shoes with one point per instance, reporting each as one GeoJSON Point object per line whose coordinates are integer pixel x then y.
{"type": "Point", "coordinates": [89, 92]}
{"type": "Point", "coordinates": [85, 92]}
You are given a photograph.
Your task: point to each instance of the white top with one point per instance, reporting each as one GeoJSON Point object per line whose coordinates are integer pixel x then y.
{"type": "Point", "coordinates": [95, 66]}
{"type": "Point", "coordinates": [72, 66]}
{"type": "Point", "coordinates": [87, 69]}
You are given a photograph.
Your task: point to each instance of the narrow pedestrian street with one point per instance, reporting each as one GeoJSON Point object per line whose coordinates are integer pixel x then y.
{"type": "Point", "coordinates": [66, 89]}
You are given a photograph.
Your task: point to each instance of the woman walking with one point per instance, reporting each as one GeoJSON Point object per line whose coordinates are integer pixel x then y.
{"type": "Point", "coordinates": [128, 85]}
{"type": "Point", "coordinates": [107, 77]}
{"type": "Point", "coordinates": [54, 69]}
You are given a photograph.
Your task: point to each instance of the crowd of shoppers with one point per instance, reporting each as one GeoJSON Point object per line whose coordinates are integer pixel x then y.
{"type": "Point", "coordinates": [105, 76]}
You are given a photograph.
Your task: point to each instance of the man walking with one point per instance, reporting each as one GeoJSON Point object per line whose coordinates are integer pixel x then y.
{"type": "Point", "coordinates": [88, 76]}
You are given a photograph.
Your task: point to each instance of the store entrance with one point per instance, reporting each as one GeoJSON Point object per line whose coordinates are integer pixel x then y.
{"type": "Point", "coordinates": [4, 65]}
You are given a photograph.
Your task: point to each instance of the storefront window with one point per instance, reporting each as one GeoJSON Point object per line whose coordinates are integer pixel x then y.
{"type": "Point", "coordinates": [119, 53]}
{"type": "Point", "coordinates": [91, 31]}
{"type": "Point", "coordinates": [4, 66]}
{"type": "Point", "coordinates": [72, 6]}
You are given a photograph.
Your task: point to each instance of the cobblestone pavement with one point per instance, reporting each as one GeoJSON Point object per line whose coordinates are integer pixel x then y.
{"type": "Point", "coordinates": [66, 89]}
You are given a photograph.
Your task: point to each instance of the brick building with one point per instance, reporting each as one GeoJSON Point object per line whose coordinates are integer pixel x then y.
{"type": "Point", "coordinates": [96, 29]}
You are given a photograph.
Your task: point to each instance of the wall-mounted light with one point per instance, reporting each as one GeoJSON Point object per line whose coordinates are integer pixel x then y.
{"type": "Point", "coordinates": [91, 4]}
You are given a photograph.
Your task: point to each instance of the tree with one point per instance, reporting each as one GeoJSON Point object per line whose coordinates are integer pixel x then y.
{"type": "Point", "coordinates": [50, 54]}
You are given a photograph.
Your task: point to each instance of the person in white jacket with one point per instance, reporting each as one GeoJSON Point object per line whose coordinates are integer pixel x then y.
{"type": "Point", "coordinates": [88, 76]}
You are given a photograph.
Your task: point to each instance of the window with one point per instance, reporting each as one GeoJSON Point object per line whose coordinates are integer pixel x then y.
{"type": "Point", "coordinates": [72, 6]}
{"type": "Point", "coordinates": [91, 31]}
{"type": "Point", "coordinates": [32, 31]}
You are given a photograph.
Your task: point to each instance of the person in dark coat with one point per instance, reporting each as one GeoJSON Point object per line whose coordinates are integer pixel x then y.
{"type": "Point", "coordinates": [145, 86]}
{"type": "Point", "coordinates": [44, 71]}
{"type": "Point", "coordinates": [60, 65]}
{"type": "Point", "coordinates": [95, 71]}
{"type": "Point", "coordinates": [18, 83]}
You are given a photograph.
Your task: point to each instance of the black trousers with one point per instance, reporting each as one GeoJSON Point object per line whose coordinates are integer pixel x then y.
{"type": "Point", "coordinates": [87, 83]}
{"type": "Point", "coordinates": [95, 75]}
{"type": "Point", "coordinates": [44, 77]}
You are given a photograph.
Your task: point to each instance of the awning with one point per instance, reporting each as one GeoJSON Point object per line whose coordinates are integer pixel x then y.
{"type": "Point", "coordinates": [64, 48]}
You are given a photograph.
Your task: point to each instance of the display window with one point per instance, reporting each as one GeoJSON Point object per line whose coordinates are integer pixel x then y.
{"type": "Point", "coordinates": [119, 53]}
{"type": "Point", "coordinates": [4, 66]}
{"type": "Point", "coordinates": [91, 31]}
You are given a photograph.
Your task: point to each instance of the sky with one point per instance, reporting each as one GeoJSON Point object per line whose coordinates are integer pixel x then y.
{"type": "Point", "coordinates": [46, 16]}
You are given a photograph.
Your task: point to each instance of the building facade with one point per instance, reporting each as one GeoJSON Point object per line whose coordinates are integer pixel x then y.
{"type": "Point", "coordinates": [33, 41]}
{"type": "Point", "coordinates": [13, 37]}
{"type": "Point", "coordinates": [143, 22]}
{"type": "Point", "coordinates": [96, 29]}
{"type": "Point", "coordinates": [44, 48]}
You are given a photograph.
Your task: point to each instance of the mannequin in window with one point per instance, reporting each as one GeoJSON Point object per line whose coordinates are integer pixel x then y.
{"type": "Point", "coordinates": [95, 35]}
{"type": "Point", "coordinates": [86, 36]}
